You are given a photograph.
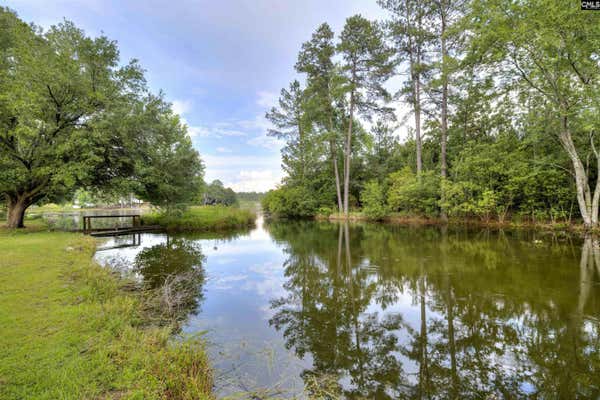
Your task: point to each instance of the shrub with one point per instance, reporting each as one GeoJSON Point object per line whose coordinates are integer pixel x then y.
{"type": "Point", "coordinates": [272, 201]}
{"type": "Point", "coordinates": [325, 211]}
{"type": "Point", "coordinates": [459, 198]}
{"type": "Point", "coordinates": [373, 199]}
{"type": "Point", "coordinates": [467, 199]}
{"type": "Point", "coordinates": [294, 202]}
{"type": "Point", "coordinates": [411, 193]}
{"type": "Point", "coordinates": [61, 222]}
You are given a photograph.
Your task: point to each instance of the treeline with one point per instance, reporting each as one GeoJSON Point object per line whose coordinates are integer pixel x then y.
{"type": "Point", "coordinates": [215, 193]}
{"type": "Point", "coordinates": [250, 196]}
{"type": "Point", "coordinates": [72, 116]}
{"type": "Point", "coordinates": [503, 100]}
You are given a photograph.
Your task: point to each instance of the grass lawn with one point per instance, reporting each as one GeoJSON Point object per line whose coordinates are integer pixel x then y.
{"type": "Point", "coordinates": [203, 218]}
{"type": "Point", "coordinates": [70, 330]}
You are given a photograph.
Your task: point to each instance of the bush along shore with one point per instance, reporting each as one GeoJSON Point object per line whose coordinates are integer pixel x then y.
{"type": "Point", "coordinates": [419, 220]}
{"type": "Point", "coordinates": [201, 219]}
{"type": "Point", "coordinates": [71, 329]}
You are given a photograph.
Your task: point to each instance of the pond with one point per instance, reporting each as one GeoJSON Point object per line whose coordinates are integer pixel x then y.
{"type": "Point", "coordinates": [73, 220]}
{"type": "Point", "coordinates": [373, 311]}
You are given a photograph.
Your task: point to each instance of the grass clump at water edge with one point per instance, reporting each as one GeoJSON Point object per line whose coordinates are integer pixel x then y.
{"type": "Point", "coordinates": [202, 218]}
{"type": "Point", "coordinates": [69, 329]}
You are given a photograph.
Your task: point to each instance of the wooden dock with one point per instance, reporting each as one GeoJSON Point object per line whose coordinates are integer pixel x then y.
{"type": "Point", "coordinates": [136, 226]}
{"type": "Point", "coordinates": [106, 232]}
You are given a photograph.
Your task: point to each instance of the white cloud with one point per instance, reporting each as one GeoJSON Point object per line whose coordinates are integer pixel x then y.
{"type": "Point", "coordinates": [219, 132]}
{"type": "Point", "coordinates": [204, 131]}
{"type": "Point", "coordinates": [266, 141]}
{"type": "Point", "coordinates": [244, 173]}
{"type": "Point", "coordinates": [223, 150]}
{"type": "Point", "coordinates": [223, 124]}
{"type": "Point", "coordinates": [256, 180]}
{"type": "Point", "coordinates": [241, 162]}
{"type": "Point", "coordinates": [256, 129]}
{"type": "Point", "coordinates": [257, 123]}
{"type": "Point", "coordinates": [181, 107]}
{"type": "Point", "coordinates": [266, 99]}
{"type": "Point", "coordinates": [196, 131]}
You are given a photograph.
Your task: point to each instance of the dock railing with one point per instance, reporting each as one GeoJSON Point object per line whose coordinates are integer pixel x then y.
{"type": "Point", "coordinates": [87, 222]}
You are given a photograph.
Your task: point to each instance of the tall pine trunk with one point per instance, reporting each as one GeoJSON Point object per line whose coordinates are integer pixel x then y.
{"type": "Point", "coordinates": [418, 124]}
{"type": "Point", "coordinates": [338, 190]}
{"type": "Point", "coordinates": [348, 156]}
{"type": "Point", "coordinates": [444, 116]}
{"type": "Point", "coordinates": [302, 153]}
{"type": "Point", "coordinates": [334, 159]}
{"type": "Point", "coordinates": [414, 48]}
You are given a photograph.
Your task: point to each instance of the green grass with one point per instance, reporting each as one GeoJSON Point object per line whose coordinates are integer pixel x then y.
{"type": "Point", "coordinates": [203, 218]}
{"type": "Point", "coordinates": [253, 206]}
{"type": "Point", "coordinates": [52, 207]}
{"type": "Point", "coordinates": [70, 330]}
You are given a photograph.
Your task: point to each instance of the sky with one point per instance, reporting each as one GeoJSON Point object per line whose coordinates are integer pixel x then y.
{"type": "Point", "coordinates": [221, 63]}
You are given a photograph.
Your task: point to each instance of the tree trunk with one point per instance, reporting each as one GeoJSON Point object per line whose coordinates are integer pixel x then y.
{"type": "Point", "coordinates": [348, 156]}
{"type": "Point", "coordinates": [584, 196]}
{"type": "Point", "coordinates": [596, 197]}
{"type": "Point", "coordinates": [16, 212]}
{"type": "Point", "coordinates": [586, 271]}
{"type": "Point", "coordinates": [444, 116]}
{"type": "Point", "coordinates": [451, 339]}
{"type": "Point", "coordinates": [423, 364]}
{"type": "Point", "coordinates": [302, 153]}
{"type": "Point", "coordinates": [417, 106]}
{"type": "Point", "coordinates": [338, 190]}
{"type": "Point", "coordinates": [336, 171]}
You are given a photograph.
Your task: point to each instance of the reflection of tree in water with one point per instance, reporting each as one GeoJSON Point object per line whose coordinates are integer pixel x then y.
{"type": "Point", "coordinates": [174, 277]}
{"type": "Point", "coordinates": [497, 317]}
{"type": "Point", "coordinates": [325, 315]}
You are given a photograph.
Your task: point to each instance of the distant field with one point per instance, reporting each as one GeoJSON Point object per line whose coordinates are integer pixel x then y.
{"type": "Point", "coordinates": [250, 205]}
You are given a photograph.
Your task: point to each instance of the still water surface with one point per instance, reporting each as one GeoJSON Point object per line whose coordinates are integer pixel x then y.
{"type": "Point", "coordinates": [375, 311]}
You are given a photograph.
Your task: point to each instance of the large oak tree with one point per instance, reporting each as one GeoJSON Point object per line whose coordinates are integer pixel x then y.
{"type": "Point", "coordinates": [72, 116]}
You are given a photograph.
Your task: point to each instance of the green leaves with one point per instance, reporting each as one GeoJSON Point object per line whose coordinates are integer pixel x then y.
{"type": "Point", "coordinates": [168, 169]}
{"type": "Point", "coordinates": [367, 63]}
{"type": "Point", "coordinates": [373, 200]}
{"type": "Point", "coordinates": [290, 202]}
{"type": "Point", "coordinates": [414, 194]}
{"type": "Point", "coordinates": [71, 116]}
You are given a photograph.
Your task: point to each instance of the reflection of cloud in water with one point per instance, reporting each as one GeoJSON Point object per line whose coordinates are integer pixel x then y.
{"type": "Point", "coordinates": [262, 282]}
{"type": "Point", "coordinates": [219, 249]}
{"type": "Point", "coordinates": [270, 282]}
{"type": "Point", "coordinates": [227, 282]}
{"type": "Point", "coordinates": [233, 278]}
{"type": "Point", "coordinates": [127, 254]}
{"type": "Point", "coordinates": [225, 261]}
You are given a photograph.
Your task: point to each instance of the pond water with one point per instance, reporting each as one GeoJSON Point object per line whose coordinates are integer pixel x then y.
{"type": "Point", "coordinates": [372, 311]}
{"type": "Point", "coordinates": [73, 220]}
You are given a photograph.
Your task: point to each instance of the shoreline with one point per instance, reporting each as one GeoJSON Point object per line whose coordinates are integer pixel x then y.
{"type": "Point", "coordinates": [74, 329]}
{"type": "Point", "coordinates": [559, 227]}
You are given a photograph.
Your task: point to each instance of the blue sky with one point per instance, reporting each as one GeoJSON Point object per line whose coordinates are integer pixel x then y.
{"type": "Point", "coordinates": [221, 63]}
